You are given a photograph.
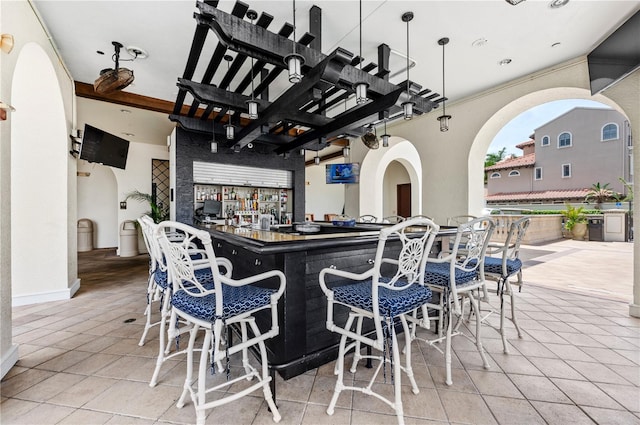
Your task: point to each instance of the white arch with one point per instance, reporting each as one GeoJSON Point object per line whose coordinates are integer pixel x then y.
{"type": "Point", "coordinates": [484, 137]}
{"type": "Point", "coordinates": [39, 178]}
{"type": "Point", "coordinates": [372, 172]}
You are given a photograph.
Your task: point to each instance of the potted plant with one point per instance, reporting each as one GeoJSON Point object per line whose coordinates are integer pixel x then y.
{"type": "Point", "coordinates": [600, 193]}
{"type": "Point", "coordinates": [575, 221]}
{"type": "Point", "coordinates": [158, 213]}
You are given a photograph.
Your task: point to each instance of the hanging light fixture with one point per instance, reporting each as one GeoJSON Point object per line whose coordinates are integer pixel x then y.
{"type": "Point", "coordinates": [252, 105]}
{"type": "Point", "coordinates": [316, 160]}
{"type": "Point", "coordinates": [385, 136]}
{"type": "Point", "coordinates": [444, 118]}
{"type": "Point", "coordinates": [361, 86]}
{"type": "Point", "coordinates": [294, 60]}
{"type": "Point", "coordinates": [230, 128]}
{"type": "Point", "coordinates": [214, 144]}
{"type": "Point", "coordinates": [346, 151]}
{"type": "Point", "coordinates": [407, 106]}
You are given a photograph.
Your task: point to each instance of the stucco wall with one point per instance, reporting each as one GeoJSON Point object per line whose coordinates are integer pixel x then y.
{"type": "Point", "coordinates": [322, 198]}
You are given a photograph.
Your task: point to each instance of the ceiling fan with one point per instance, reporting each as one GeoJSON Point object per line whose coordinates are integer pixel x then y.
{"type": "Point", "coordinates": [113, 79]}
{"type": "Point", "coordinates": [370, 138]}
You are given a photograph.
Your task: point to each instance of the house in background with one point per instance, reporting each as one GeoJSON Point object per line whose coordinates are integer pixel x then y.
{"type": "Point", "coordinates": [565, 157]}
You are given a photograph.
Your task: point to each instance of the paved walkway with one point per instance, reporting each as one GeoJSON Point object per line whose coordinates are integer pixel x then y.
{"type": "Point", "coordinates": [604, 269]}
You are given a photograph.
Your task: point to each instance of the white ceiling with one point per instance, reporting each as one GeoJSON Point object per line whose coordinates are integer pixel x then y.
{"type": "Point", "coordinates": [524, 33]}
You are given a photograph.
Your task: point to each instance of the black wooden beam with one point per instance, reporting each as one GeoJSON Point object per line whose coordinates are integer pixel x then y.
{"type": "Point", "coordinates": [194, 53]}
{"type": "Point", "coordinates": [384, 53]}
{"type": "Point", "coordinates": [315, 27]}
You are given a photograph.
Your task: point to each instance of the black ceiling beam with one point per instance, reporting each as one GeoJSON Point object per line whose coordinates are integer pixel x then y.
{"type": "Point", "coordinates": [296, 96]}
{"type": "Point", "coordinates": [207, 112]}
{"type": "Point", "coordinates": [196, 48]}
{"type": "Point", "coordinates": [355, 117]}
{"type": "Point", "coordinates": [315, 27]}
{"type": "Point", "coordinates": [384, 54]}
{"type": "Point", "coordinates": [221, 114]}
{"type": "Point", "coordinates": [242, 37]}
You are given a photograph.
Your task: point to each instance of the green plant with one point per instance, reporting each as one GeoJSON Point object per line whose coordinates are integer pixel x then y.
{"type": "Point", "coordinates": [158, 213]}
{"type": "Point", "coordinates": [573, 216]}
{"type": "Point", "coordinates": [600, 193]}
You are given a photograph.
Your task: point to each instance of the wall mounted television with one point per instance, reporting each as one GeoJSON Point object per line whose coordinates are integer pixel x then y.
{"type": "Point", "coordinates": [104, 148]}
{"type": "Point", "coordinates": [616, 57]}
{"type": "Point", "coordinates": [343, 173]}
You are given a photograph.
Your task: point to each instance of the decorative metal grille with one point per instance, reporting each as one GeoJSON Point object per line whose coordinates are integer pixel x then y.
{"type": "Point", "coordinates": [160, 181]}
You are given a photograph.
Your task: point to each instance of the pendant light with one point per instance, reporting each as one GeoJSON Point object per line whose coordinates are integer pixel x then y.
{"type": "Point", "coordinates": [346, 151]}
{"type": "Point", "coordinates": [294, 61]}
{"type": "Point", "coordinates": [385, 136]}
{"type": "Point", "coordinates": [444, 118]}
{"type": "Point", "coordinates": [361, 86]}
{"type": "Point", "coordinates": [214, 144]}
{"type": "Point", "coordinates": [230, 129]}
{"type": "Point", "coordinates": [407, 106]}
{"type": "Point", "coordinates": [252, 105]}
{"type": "Point", "coordinates": [316, 160]}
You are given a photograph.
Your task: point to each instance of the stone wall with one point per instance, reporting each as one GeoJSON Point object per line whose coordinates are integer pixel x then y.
{"type": "Point", "coordinates": [542, 228]}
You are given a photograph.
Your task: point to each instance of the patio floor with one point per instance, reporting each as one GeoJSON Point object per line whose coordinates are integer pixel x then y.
{"type": "Point", "coordinates": [578, 362]}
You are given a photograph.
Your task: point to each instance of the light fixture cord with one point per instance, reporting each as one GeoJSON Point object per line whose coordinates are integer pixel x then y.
{"type": "Point", "coordinates": [360, 35]}
{"type": "Point", "coordinates": [252, 89]}
{"type": "Point", "coordinates": [444, 102]}
{"type": "Point", "coordinates": [294, 27]}
{"type": "Point", "coordinates": [408, 58]}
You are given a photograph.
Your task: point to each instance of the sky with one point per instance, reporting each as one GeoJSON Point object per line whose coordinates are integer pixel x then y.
{"type": "Point", "coordinates": [521, 127]}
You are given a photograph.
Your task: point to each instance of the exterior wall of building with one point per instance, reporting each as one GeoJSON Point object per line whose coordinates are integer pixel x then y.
{"type": "Point", "coordinates": [506, 183]}
{"type": "Point", "coordinates": [591, 160]}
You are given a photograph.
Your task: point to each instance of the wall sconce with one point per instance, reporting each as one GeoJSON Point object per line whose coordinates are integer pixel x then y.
{"type": "Point", "coordinates": [4, 108]}
{"type": "Point", "coordinates": [6, 43]}
{"type": "Point", "coordinates": [123, 205]}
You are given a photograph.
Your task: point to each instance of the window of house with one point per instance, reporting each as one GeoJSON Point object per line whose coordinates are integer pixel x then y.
{"type": "Point", "coordinates": [538, 173]}
{"type": "Point", "coordinates": [546, 141]}
{"type": "Point", "coordinates": [610, 132]}
{"type": "Point", "coordinates": [564, 140]}
{"type": "Point", "coordinates": [566, 170]}
{"type": "Point", "coordinates": [495, 176]}
{"type": "Point", "coordinates": [514, 173]}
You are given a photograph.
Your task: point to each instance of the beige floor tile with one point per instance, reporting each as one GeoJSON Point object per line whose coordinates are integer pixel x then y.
{"type": "Point", "coordinates": [133, 368]}
{"type": "Point", "coordinates": [82, 392]}
{"type": "Point", "coordinates": [513, 411]}
{"type": "Point", "coordinates": [44, 390]}
{"type": "Point", "coordinates": [597, 372]}
{"type": "Point", "coordinates": [16, 370]}
{"type": "Point", "coordinates": [561, 414]}
{"type": "Point", "coordinates": [532, 349]}
{"type": "Point", "coordinates": [43, 414]}
{"type": "Point", "coordinates": [628, 396]}
{"type": "Point", "coordinates": [471, 360]}
{"type": "Point", "coordinates": [570, 352]}
{"type": "Point", "coordinates": [539, 388]}
{"type": "Point", "coordinates": [512, 363]}
{"type": "Point", "coordinates": [295, 389]}
{"type": "Point", "coordinates": [611, 417]}
{"type": "Point", "coordinates": [40, 356]}
{"type": "Point", "coordinates": [425, 405]}
{"type": "Point", "coordinates": [12, 409]}
{"type": "Point", "coordinates": [494, 383]}
{"type": "Point", "coordinates": [547, 336]}
{"type": "Point", "coordinates": [466, 408]}
{"type": "Point", "coordinates": [633, 355]}
{"type": "Point", "coordinates": [291, 412]}
{"type": "Point", "coordinates": [16, 384]}
{"type": "Point", "coordinates": [129, 420]}
{"type": "Point", "coordinates": [322, 391]}
{"type": "Point", "coordinates": [369, 403]}
{"type": "Point", "coordinates": [317, 415]}
{"type": "Point", "coordinates": [555, 368]}
{"type": "Point", "coordinates": [150, 403]}
{"type": "Point", "coordinates": [370, 418]}
{"type": "Point", "coordinates": [580, 340]}
{"type": "Point", "coordinates": [630, 373]}
{"type": "Point", "coordinates": [98, 344]}
{"type": "Point", "coordinates": [92, 364]}
{"type": "Point", "coordinates": [585, 393]}
{"type": "Point", "coordinates": [461, 380]}
{"type": "Point", "coordinates": [84, 417]}
{"type": "Point", "coordinates": [64, 361]}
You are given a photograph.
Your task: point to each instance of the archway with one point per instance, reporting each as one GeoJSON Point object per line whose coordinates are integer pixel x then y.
{"type": "Point", "coordinates": [482, 140]}
{"type": "Point", "coordinates": [39, 218]}
{"type": "Point", "coordinates": [372, 174]}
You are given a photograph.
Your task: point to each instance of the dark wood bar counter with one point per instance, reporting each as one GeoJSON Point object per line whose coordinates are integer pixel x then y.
{"type": "Point", "coordinates": [304, 342]}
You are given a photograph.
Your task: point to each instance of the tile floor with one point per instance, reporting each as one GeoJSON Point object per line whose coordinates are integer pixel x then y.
{"type": "Point", "coordinates": [579, 362]}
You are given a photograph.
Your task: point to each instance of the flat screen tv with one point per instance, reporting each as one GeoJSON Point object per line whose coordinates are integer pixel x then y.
{"type": "Point", "coordinates": [104, 148]}
{"type": "Point", "coordinates": [616, 57]}
{"type": "Point", "coordinates": [343, 173]}
{"type": "Point", "coordinates": [212, 207]}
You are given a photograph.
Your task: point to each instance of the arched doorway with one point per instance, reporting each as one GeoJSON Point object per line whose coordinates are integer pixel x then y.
{"type": "Point", "coordinates": [372, 174]}
{"type": "Point", "coordinates": [40, 220]}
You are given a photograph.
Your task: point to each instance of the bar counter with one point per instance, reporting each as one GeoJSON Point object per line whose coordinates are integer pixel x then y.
{"type": "Point", "coordinates": [304, 342]}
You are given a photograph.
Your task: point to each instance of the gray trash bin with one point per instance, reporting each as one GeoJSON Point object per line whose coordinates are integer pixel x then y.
{"type": "Point", "coordinates": [596, 229]}
{"type": "Point", "coordinates": [128, 239]}
{"type": "Point", "coordinates": [85, 235]}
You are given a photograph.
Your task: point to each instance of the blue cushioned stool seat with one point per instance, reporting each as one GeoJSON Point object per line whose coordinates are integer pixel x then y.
{"type": "Point", "coordinates": [438, 274]}
{"type": "Point", "coordinates": [494, 265]}
{"type": "Point", "coordinates": [203, 276]}
{"type": "Point", "coordinates": [236, 301]}
{"type": "Point", "coordinates": [392, 303]}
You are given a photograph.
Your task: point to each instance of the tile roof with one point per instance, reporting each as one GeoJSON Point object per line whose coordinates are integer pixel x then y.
{"type": "Point", "coordinates": [521, 161]}
{"type": "Point", "coordinates": [525, 144]}
{"type": "Point", "coordinates": [538, 195]}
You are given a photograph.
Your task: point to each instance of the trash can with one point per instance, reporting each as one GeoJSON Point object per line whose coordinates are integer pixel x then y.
{"type": "Point", "coordinates": [85, 235]}
{"type": "Point", "coordinates": [128, 239]}
{"type": "Point", "coordinates": [596, 229]}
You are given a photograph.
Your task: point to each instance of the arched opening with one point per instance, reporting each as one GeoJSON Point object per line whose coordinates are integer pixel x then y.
{"type": "Point", "coordinates": [493, 125]}
{"type": "Point", "coordinates": [372, 176]}
{"type": "Point", "coordinates": [39, 176]}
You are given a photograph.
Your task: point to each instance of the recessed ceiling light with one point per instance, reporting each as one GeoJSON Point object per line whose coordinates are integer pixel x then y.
{"type": "Point", "coordinates": [125, 111]}
{"type": "Point", "coordinates": [556, 4]}
{"type": "Point", "coordinates": [556, 44]}
{"type": "Point", "coordinates": [506, 61]}
{"type": "Point", "coordinates": [479, 42]}
{"type": "Point", "coordinates": [129, 134]}
{"type": "Point", "coordinates": [137, 52]}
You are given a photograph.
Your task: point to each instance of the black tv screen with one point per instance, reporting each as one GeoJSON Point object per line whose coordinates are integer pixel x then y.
{"type": "Point", "coordinates": [616, 57]}
{"type": "Point", "coordinates": [104, 148]}
{"type": "Point", "coordinates": [343, 173]}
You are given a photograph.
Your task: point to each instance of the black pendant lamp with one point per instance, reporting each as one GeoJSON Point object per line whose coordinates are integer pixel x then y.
{"type": "Point", "coordinates": [294, 61]}
{"type": "Point", "coordinates": [361, 87]}
{"type": "Point", "coordinates": [252, 105]}
{"type": "Point", "coordinates": [444, 118]}
{"type": "Point", "coordinates": [407, 106]}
